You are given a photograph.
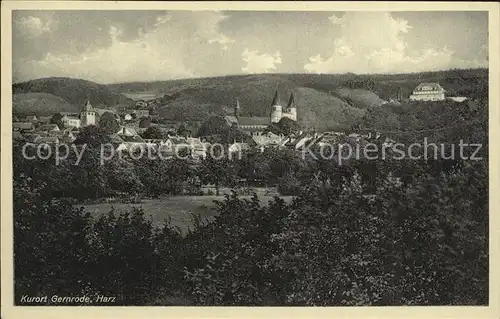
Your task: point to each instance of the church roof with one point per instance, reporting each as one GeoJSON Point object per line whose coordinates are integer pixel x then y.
{"type": "Point", "coordinates": [291, 101]}
{"type": "Point", "coordinates": [230, 119]}
{"type": "Point", "coordinates": [253, 121]}
{"type": "Point", "coordinates": [88, 106]}
{"type": "Point", "coordinates": [276, 99]}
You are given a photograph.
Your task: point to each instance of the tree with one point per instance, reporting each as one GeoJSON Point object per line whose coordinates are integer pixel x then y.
{"type": "Point", "coordinates": [108, 124]}
{"type": "Point", "coordinates": [219, 172]}
{"type": "Point", "coordinates": [56, 119]}
{"type": "Point", "coordinates": [92, 137]}
{"type": "Point", "coordinates": [215, 125]}
{"type": "Point", "coordinates": [182, 130]}
{"type": "Point", "coordinates": [285, 126]}
{"type": "Point", "coordinates": [154, 133]}
{"type": "Point", "coordinates": [145, 122]}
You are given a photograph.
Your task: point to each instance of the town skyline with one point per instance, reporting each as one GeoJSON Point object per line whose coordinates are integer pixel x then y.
{"type": "Point", "coordinates": [220, 43]}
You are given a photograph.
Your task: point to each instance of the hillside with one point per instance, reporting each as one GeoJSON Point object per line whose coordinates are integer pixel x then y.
{"type": "Point", "coordinates": [199, 98]}
{"type": "Point", "coordinates": [325, 101]}
{"type": "Point", "coordinates": [40, 104]}
{"type": "Point", "coordinates": [75, 91]}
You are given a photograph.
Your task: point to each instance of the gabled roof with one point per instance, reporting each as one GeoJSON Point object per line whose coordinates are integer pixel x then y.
{"type": "Point", "coordinates": [32, 138]}
{"type": "Point", "coordinates": [116, 139]}
{"type": "Point", "coordinates": [47, 139]}
{"type": "Point", "coordinates": [298, 139]}
{"type": "Point", "coordinates": [240, 146]}
{"type": "Point", "coordinates": [132, 139]}
{"type": "Point", "coordinates": [178, 140]}
{"type": "Point", "coordinates": [49, 127]}
{"type": "Point", "coordinates": [265, 139]}
{"type": "Point", "coordinates": [429, 86]}
{"type": "Point", "coordinates": [45, 119]}
{"type": "Point", "coordinates": [17, 136]}
{"type": "Point", "coordinates": [22, 125]}
{"type": "Point", "coordinates": [127, 131]}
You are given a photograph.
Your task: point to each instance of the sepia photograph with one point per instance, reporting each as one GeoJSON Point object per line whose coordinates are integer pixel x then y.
{"type": "Point", "coordinates": [238, 156]}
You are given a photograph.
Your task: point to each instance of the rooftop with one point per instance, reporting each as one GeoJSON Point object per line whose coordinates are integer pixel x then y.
{"type": "Point", "coordinates": [22, 125]}
{"type": "Point", "coordinates": [254, 121]}
{"type": "Point", "coordinates": [430, 86]}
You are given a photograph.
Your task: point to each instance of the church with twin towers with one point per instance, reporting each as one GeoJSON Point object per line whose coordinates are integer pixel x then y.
{"type": "Point", "coordinates": [256, 124]}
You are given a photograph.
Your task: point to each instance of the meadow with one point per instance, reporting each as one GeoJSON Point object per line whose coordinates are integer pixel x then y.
{"type": "Point", "coordinates": [178, 209]}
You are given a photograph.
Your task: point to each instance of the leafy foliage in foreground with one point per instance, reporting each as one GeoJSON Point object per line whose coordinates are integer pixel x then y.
{"type": "Point", "coordinates": [422, 244]}
{"type": "Point", "coordinates": [386, 232]}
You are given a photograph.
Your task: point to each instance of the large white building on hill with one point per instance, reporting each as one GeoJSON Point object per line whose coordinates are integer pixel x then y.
{"type": "Point", "coordinates": [428, 92]}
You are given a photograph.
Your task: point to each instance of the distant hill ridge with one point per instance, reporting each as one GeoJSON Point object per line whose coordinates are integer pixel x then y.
{"type": "Point", "coordinates": [74, 91]}
{"type": "Point", "coordinates": [323, 100]}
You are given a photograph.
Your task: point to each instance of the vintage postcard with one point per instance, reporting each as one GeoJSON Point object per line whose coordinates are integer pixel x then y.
{"type": "Point", "coordinates": [250, 159]}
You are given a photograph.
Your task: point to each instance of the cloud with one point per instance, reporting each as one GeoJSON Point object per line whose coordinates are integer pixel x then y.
{"type": "Point", "coordinates": [209, 28]}
{"type": "Point", "coordinates": [204, 26]}
{"type": "Point", "coordinates": [145, 59]}
{"type": "Point", "coordinates": [116, 48]}
{"type": "Point", "coordinates": [373, 42]}
{"type": "Point", "coordinates": [33, 26]}
{"type": "Point", "coordinates": [260, 63]}
{"type": "Point", "coordinates": [129, 45]}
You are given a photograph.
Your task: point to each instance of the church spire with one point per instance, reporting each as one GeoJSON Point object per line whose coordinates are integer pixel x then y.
{"type": "Point", "coordinates": [291, 101]}
{"type": "Point", "coordinates": [237, 108]}
{"type": "Point", "coordinates": [276, 99]}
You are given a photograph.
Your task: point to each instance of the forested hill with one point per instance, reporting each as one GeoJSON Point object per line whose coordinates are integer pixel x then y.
{"type": "Point", "coordinates": [328, 101]}
{"type": "Point", "coordinates": [63, 95]}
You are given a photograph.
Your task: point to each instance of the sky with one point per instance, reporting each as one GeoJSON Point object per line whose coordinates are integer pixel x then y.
{"type": "Point", "coordinates": [124, 46]}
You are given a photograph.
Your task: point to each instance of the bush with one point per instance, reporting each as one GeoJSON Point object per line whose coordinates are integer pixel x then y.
{"type": "Point", "coordinates": [289, 185]}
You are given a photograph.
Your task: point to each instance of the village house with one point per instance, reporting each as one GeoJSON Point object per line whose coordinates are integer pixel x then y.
{"type": "Point", "coordinates": [179, 142]}
{"type": "Point", "coordinates": [71, 121]}
{"type": "Point", "coordinates": [23, 127]}
{"type": "Point", "coordinates": [46, 140]}
{"type": "Point", "coordinates": [428, 92]}
{"type": "Point", "coordinates": [300, 141]}
{"type": "Point", "coordinates": [32, 119]}
{"type": "Point", "coordinates": [127, 117]}
{"type": "Point", "coordinates": [17, 136]}
{"type": "Point", "coordinates": [198, 148]}
{"type": "Point", "coordinates": [48, 128]}
{"type": "Point", "coordinates": [44, 119]}
{"type": "Point", "coordinates": [261, 141]}
{"type": "Point", "coordinates": [238, 148]}
{"type": "Point", "coordinates": [141, 113]}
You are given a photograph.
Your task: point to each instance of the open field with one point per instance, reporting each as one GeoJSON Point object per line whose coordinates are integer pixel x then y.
{"type": "Point", "coordinates": [178, 208]}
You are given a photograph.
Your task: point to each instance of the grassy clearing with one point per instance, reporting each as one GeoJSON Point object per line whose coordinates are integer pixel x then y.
{"type": "Point", "coordinates": [178, 208]}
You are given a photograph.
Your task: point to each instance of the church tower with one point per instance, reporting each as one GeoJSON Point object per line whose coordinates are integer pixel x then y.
{"type": "Point", "coordinates": [276, 108]}
{"type": "Point", "coordinates": [237, 109]}
{"type": "Point", "coordinates": [292, 109]}
{"type": "Point", "coordinates": [87, 116]}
